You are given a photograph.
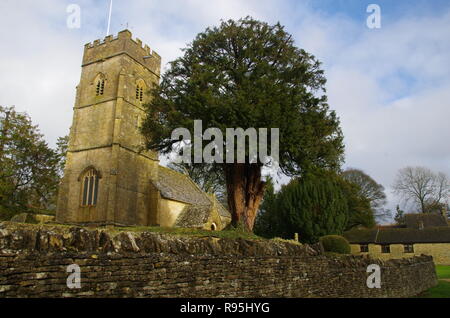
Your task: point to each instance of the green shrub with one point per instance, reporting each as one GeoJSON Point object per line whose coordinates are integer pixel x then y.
{"type": "Point", "coordinates": [335, 244]}
{"type": "Point", "coordinates": [313, 205]}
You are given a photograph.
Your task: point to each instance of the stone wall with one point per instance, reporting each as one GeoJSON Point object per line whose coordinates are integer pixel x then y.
{"type": "Point", "coordinates": [34, 260]}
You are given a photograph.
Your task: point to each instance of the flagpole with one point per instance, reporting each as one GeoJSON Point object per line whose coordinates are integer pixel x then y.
{"type": "Point", "coordinates": [109, 17]}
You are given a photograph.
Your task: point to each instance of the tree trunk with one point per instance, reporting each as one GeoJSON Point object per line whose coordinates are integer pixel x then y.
{"type": "Point", "coordinates": [245, 192]}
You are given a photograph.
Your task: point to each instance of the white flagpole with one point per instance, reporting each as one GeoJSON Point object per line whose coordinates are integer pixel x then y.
{"type": "Point", "coordinates": [109, 17]}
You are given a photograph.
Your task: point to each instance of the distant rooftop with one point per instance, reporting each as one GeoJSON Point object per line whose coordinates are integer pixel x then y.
{"type": "Point", "coordinates": [399, 236]}
{"type": "Point", "coordinates": [424, 220]}
{"type": "Point", "coordinates": [420, 228]}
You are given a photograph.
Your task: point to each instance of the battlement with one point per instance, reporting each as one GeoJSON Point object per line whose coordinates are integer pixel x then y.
{"type": "Point", "coordinates": [123, 43]}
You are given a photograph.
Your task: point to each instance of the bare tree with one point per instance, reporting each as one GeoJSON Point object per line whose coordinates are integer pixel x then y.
{"type": "Point", "coordinates": [423, 187]}
{"type": "Point", "coordinates": [442, 187]}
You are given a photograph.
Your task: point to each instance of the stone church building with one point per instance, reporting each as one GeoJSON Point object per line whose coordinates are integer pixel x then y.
{"type": "Point", "coordinates": [109, 178]}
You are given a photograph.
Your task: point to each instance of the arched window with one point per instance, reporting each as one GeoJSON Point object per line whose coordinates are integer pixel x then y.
{"type": "Point", "coordinates": [90, 188]}
{"type": "Point", "coordinates": [100, 88]}
{"type": "Point", "coordinates": [139, 93]}
{"type": "Point", "coordinates": [140, 87]}
{"type": "Point", "coordinates": [99, 82]}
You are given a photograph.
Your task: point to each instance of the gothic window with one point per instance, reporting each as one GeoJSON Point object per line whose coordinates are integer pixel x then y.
{"type": "Point", "coordinates": [139, 93]}
{"type": "Point", "coordinates": [140, 87]}
{"type": "Point", "coordinates": [90, 188]}
{"type": "Point", "coordinates": [99, 84]}
{"type": "Point", "coordinates": [100, 88]}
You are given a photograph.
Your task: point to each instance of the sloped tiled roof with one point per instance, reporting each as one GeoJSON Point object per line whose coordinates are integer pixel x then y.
{"type": "Point", "coordinates": [177, 186]}
{"type": "Point", "coordinates": [427, 219]}
{"type": "Point", "coordinates": [361, 236]}
{"type": "Point", "coordinates": [399, 235]}
{"type": "Point", "coordinates": [193, 216]}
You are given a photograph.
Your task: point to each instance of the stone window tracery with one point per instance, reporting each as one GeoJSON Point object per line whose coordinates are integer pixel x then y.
{"type": "Point", "coordinates": [90, 183]}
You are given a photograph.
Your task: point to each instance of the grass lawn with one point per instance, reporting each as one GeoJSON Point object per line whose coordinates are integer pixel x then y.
{"type": "Point", "coordinates": [442, 290]}
{"type": "Point", "coordinates": [443, 272]}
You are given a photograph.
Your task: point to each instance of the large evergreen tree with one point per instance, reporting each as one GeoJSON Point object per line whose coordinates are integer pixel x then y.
{"type": "Point", "coordinates": [248, 74]}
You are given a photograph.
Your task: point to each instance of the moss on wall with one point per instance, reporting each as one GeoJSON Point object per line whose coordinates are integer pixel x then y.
{"type": "Point", "coordinates": [34, 260]}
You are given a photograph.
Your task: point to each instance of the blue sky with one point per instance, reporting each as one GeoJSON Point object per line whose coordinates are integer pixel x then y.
{"type": "Point", "coordinates": [391, 8]}
{"type": "Point", "coordinates": [389, 86]}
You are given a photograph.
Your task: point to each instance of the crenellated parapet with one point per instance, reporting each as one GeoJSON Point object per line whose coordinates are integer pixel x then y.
{"type": "Point", "coordinates": [123, 43]}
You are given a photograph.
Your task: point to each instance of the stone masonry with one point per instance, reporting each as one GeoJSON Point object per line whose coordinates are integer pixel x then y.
{"type": "Point", "coordinates": [34, 260]}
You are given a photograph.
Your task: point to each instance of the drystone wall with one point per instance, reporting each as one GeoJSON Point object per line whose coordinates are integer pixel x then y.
{"type": "Point", "coordinates": [35, 259]}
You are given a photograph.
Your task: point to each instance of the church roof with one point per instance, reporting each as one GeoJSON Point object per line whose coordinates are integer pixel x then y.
{"type": "Point", "coordinates": [193, 216]}
{"type": "Point", "coordinates": [177, 186]}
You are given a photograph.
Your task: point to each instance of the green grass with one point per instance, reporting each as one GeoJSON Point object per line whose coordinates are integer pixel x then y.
{"type": "Point", "coordinates": [442, 290]}
{"type": "Point", "coordinates": [443, 272]}
{"type": "Point", "coordinates": [230, 233]}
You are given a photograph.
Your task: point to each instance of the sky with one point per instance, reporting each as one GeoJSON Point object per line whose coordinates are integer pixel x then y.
{"type": "Point", "coordinates": [390, 86]}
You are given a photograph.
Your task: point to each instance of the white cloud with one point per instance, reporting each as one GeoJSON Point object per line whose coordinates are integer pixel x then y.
{"type": "Point", "coordinates": [391, 120]}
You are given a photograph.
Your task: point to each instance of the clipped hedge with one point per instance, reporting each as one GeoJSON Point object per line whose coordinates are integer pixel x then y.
{"type": "Point", "coordinates": [335, 244]}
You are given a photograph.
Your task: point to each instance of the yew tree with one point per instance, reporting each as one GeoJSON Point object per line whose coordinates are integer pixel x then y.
{"type": "Point", "coordinates": [248, 74]}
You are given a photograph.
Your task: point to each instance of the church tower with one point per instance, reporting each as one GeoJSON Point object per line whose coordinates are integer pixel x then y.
{"type": "Point", "coordinates": [107, 173]}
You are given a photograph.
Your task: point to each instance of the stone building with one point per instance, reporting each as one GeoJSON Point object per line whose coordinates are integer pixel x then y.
{"type": "Point", "coordinates": [109, 178]}
{"type": "Point", "coordinates": [427, 234]}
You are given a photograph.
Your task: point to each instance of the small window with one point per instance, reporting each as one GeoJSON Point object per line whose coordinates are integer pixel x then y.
{"type": "Point", "coordinates": [140, 93]}
{"type": "Point", "coordinates": [408, 248]}
{"type": "Point", "coordinates": [364, 248]}
{"type": "Point", "coordinates": [100, 88]}
{"type": "Point", "coordinates": [90, 188]}
{"type": "Point", "coordinates": [213, 227]}
{"type": "Point", "coordinates": [385, 249]}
